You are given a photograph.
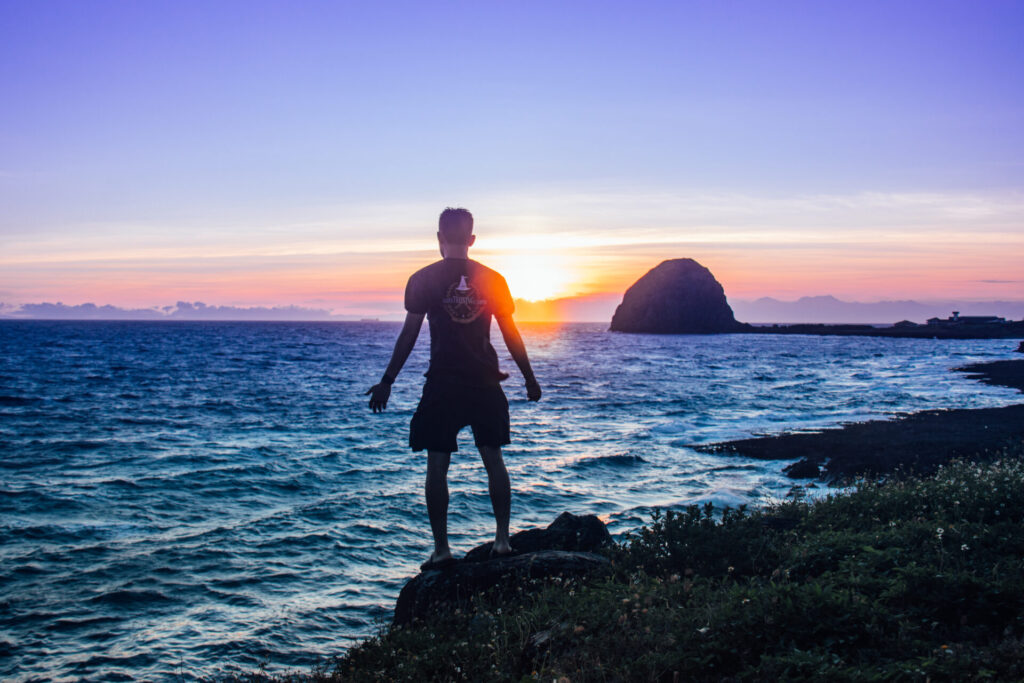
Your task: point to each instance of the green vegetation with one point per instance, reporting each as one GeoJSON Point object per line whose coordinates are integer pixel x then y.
{"type": "Point", "coordinates": [913, 579]}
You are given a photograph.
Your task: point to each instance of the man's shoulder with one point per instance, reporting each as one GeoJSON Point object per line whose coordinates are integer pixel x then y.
{"type": "Point", "coordinates": [487, 272]}
{"type": "Point", "coordinates": [426, 271]}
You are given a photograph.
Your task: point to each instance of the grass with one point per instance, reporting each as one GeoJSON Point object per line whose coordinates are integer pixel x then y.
{"type": "Point", "coordinates": [911, 579]}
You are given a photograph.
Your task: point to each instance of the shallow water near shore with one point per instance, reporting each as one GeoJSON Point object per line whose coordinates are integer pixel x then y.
{"type": "Point", "coordinates": [188, 498]}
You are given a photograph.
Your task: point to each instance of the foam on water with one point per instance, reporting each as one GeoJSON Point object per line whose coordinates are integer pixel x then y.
{"type": "Point", "coordinates": [179, 498]}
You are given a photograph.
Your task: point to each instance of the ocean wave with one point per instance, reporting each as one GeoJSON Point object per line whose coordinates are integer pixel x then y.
{"type": "Point", "coordinates": [617, 460]}
{"type": "Point", "coordinates": [19, 401]}
{"type": "Point", "coordinates": [75, 624]}
{"type": "Point", "coordinates": [131, 597]}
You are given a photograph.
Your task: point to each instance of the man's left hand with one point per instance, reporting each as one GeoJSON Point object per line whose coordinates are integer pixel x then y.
{"type": "Point", "coordinates": [532, 390]}
{"type": "Point", "coordinates": [379, 395]}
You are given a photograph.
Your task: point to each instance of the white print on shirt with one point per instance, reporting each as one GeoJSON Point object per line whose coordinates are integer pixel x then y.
{"type": "Point", "coordinates": [461, 302]}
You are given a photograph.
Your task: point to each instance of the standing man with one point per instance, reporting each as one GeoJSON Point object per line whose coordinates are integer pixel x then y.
{"type": "Point", "coordinates": [459, 296]}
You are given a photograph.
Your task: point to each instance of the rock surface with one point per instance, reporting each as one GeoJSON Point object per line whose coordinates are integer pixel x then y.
{"type": "Point", "coordinates": [583, 533]}
{"type": "Point", "coordinates": [678, 296]}
{"type": "Point", "coordinates": [802, 469]}
{"type": "Point", "coordinates": [564, 549]}
{"type": "Point", "coordinates": [919, 441]}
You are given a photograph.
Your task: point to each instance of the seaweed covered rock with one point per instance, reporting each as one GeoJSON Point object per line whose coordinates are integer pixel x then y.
{"type": "Point", "coordinates": [678, 296]}
{"type": "Point", "coordinates": [564, 549]}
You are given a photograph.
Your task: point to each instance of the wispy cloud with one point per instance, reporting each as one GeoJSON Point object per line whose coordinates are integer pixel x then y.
{"type": "Point", "coordinates": [557, 219]}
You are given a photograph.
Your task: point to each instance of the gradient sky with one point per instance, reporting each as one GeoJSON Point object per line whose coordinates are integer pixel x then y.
{"type": "Point", "coordinates": [271, 153]}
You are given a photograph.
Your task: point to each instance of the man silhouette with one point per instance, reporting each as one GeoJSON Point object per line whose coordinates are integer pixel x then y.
{"type": "Point", "coordinates": [459, 296]}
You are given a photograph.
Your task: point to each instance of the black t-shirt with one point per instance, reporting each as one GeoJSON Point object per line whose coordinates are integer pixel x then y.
{"type": "Point", "coordinates": [459, 297]}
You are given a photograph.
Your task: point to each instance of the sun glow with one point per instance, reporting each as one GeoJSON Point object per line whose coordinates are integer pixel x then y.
{"type": "Point", "coordinates": [534, 276]}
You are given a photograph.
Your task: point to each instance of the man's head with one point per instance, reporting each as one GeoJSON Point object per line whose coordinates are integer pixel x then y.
{"type": "Point", "coordinates": [455, 231]}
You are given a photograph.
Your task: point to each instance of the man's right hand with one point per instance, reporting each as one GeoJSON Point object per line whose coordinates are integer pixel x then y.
{"type": "Point", "coordinates": [379, 395]}
{"type": "Point", "coordinates": [532, 390]}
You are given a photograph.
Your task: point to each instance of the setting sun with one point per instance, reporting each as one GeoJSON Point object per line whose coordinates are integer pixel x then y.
{"type": "Point", "coordinates": [534, 276]}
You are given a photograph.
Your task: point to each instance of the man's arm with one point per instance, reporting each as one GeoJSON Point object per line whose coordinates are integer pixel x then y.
{"type": "Point", "coordinates": [380, 393]}
{"type": "Point", "coordinates": [517, 348]}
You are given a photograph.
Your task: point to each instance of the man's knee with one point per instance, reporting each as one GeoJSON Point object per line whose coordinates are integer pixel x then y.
{"type": "Point", "coordinates": [437, 462]}
{"type": "Point", "coordinates": [491, 455]}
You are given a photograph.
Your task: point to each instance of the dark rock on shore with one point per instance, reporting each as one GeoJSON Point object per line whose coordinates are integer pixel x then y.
{"type": "Point", "coordinates": [1020, 347]}
{"type": "Point", "coordinates": [802, 469]}
{"type": "Point", "coordinates": [569, 532]}
{"type": "Point", "coordinates": [1007, 330]}
{"type": "Point", "coordinates": [919, 441]}
{"type": "Point", "coordinates": [1003, 373]}
{"type": "Point", "coordinates": [564, 549]}
{"type": "Point", "coordinates": [678, 296]}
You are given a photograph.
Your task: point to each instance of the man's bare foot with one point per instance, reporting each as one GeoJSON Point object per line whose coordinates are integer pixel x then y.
{"type": "Point", "coordinates": [501, 548]}
{"type": "Point", "coordinates": [438, 560]}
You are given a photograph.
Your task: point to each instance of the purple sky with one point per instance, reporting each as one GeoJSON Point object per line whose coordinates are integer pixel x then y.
{"type": "Point", "coordinates": [142, 137]}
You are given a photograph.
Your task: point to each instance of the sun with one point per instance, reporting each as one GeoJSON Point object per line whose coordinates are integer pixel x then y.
{"type": "Point", "coordinates": [534, 276]}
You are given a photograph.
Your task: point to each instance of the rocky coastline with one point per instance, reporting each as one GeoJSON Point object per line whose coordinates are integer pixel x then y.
{"type": "Point", "coordinates": [997, 330]}
{"type": "Point", "coordinates": [680, 296]}
{"type": "Point", "coordinates": [918, 441]}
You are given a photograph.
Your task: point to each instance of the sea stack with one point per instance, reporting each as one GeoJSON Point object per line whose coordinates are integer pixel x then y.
{"type": "Point", "coordinates": [678, 296]}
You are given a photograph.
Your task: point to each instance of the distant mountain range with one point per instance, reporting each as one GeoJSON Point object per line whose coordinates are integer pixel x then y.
{"type": "Point", "coordinates": [808, 309]}
{"type": "Point", "coordinates": [591, 308]}
{"type": "Point", "coordinates": [828, 309]}
{"type": "Point", "coordinates": [183, 310]}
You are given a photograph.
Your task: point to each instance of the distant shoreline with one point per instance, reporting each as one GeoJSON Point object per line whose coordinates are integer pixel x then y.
{"type": "Point", "coordinates": [920, 441]}
{"type": "Point", "coordinates": [1007, 330]}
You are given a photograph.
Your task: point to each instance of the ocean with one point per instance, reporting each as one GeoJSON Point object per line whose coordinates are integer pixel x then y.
{"type": "Point", "coordinates": [179, 499]}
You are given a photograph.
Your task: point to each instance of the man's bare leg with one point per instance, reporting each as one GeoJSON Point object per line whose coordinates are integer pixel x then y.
{"type": "Point", "coordinates": [437, 503]}
{"type": "Point", "coordinates": [501, 496]}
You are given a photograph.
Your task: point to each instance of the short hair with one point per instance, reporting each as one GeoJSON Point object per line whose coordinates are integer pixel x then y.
{"type": "Point", "coordinates": [455, 225]}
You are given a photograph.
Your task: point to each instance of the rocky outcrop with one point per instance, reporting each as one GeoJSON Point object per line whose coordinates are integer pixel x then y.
{"type": "Point", "coordinates": [679, 296]}
{"type": "Point", "coordinates": [583, 533]}
{"type": "Point", "coordinates": [917, 442]}
{"type": "Point", "coordinates": [802, 469]}
{"type": "Point", "coordinates": [564, 549]}
{"type": "Point", "coordinates": [1020, 347]}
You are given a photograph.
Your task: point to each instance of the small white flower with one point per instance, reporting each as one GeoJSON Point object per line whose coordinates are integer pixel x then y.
{"type": "Point", "coordinates": [939, 532]}
{"type": "Point", "coordinates": [964, 547]}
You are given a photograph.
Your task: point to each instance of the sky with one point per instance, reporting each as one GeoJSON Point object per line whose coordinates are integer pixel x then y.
{"type": "Point", "coordinates": [298, 153]}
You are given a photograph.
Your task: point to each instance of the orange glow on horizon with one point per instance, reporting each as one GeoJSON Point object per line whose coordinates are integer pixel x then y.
{"type": "Point", "coordinates": [559, 279]}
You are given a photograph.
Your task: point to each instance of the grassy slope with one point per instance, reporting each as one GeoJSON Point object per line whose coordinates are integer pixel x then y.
{"type": "Point", "coordinates": [913, 579]}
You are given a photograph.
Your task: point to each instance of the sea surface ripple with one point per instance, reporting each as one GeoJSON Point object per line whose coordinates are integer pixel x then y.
{"type": "Point", "coordinates": [180, 499]}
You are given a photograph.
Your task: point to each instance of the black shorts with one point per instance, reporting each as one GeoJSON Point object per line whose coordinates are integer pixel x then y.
{"type": "Point", "coordinates": [446, 408]}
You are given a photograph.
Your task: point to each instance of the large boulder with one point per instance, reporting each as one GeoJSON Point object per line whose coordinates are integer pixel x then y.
{"type": "Point", "coordinates": [564, 549]}
{"type": "Point", "coordinates": [569, 532]}
{"type": "Point", "coordinates": [679, 296]}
